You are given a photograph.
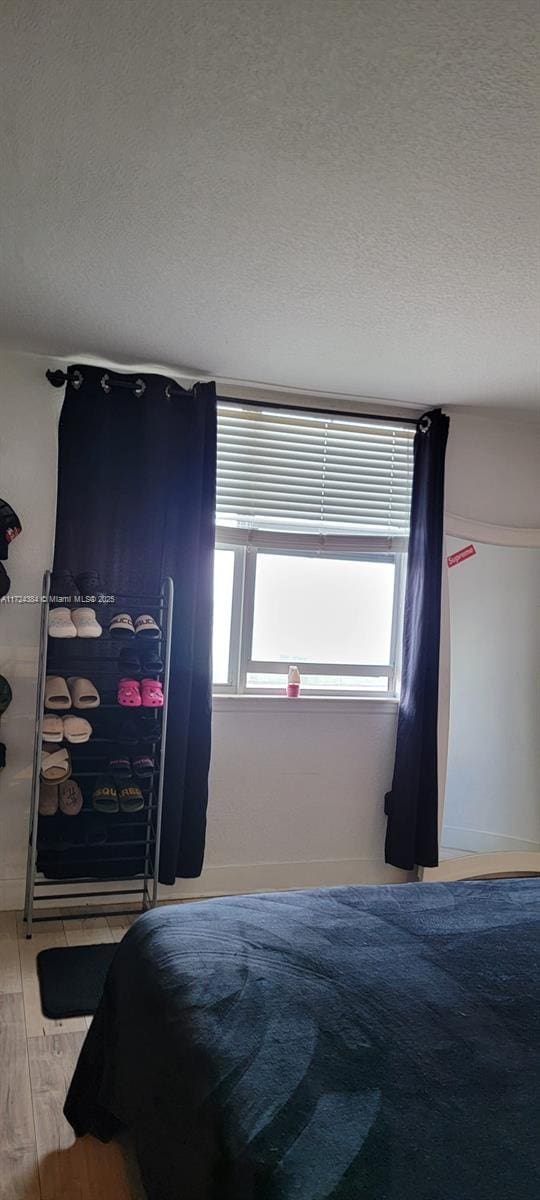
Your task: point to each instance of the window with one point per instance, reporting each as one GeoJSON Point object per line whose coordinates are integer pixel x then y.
{"type": "Point", "coordinates": [312, 518]}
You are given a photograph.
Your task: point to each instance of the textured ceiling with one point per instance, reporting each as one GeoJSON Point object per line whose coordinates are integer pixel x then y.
{"type": "Point", "coordinates": [323, 194]}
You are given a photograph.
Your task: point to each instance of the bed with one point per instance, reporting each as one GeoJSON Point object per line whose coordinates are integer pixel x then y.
{"type": "Point", "coordinates": [356, 1043]}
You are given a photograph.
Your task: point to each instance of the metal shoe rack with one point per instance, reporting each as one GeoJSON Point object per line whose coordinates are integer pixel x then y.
{"type": "Point", "coordinates": [120, 850]}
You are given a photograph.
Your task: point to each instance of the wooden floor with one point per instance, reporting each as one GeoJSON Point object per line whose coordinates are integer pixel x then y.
{"type": "Point", "coordinates": [40, 1159]}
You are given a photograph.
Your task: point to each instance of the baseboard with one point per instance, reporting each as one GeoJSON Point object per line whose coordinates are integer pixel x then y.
{"type": "Point", "coordinates": [481, 841]}
{"type": "Point", "coordinates": [239, 878]}
{"type": "Point", "coordinates": [504, 864]}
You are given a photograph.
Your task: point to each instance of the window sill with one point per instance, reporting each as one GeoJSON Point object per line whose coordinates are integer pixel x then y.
{"type": "Point", "coordinates": [226, 702]}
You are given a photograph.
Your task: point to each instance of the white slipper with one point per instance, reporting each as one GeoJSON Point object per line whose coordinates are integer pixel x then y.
{"type": "Point", "coordinates": [84, 693]}
{"type": "Point", "coordinates": [60, 623]}
{"type": "Point", "coordinates": [146, 626]}
{"type": "Point", "coordinates": [122, 626]}
{"type": "Point", "coordinates": [52, 728]}
{"type": "Point", "coordinates": [56, 692]}
{"type": "Point", "coordinates": [86, 623]}
{"type": "Point", "coordinates": [77, 729]}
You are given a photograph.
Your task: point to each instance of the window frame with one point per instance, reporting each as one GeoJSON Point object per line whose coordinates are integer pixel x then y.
{"type": "Point", "coordinates": [246, 545]}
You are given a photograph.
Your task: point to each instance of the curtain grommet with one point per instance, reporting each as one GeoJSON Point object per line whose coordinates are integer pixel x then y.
{"type": "Point", "coordinates": [139, 388]}
{"type": "Point", "coordinates": [105, 383]}
{"type": "Point", "coordinates": [424, 424]}
{"type": "Point", "coordinates": [76, 379]}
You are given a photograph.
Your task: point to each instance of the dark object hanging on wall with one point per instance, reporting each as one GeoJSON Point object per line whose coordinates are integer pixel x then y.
{"type": "Point", "coordinates": [10, 527]}
{"type": "Point", "coordinates": [136, 501]}
{"type": "Point", "coordinates": [5, 581]}
{"type": "Point", "coordinates": [412, 803]}
{"type": "Point", "coordinates": [6, 694]}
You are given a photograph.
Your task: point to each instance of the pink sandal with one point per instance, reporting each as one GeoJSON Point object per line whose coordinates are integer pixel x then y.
{"type": "Point", "coordinates": [152, 693]}
{"type": "Point", "coordinates": [129, 693]}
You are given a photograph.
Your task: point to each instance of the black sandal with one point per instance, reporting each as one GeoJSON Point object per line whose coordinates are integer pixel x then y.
{"type": "Point", "coordinates": [151, 663]}
{"type": "Point", "coordinates": [131, 797]}
{"type": "Point", "coordinates": [120, 767]}
{"type": "Point", "coordinates": [90, 585]}
{"type": "Point", "coordinates": [149, 730]}
{"type": "Point", "coordinates": [143, 766]}
{"type": "Point", "coordinates": [64, 588]}
{"type": "Point", "coordinates": [128, 733]}
{"type": "Point", "coordinates": [129, 662]}
{"type": "Point", "coordinates": [105, 795]}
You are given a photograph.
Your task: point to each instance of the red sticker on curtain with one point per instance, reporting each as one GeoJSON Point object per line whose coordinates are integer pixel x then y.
{"type": "Point", "coordinates": [460, 555]}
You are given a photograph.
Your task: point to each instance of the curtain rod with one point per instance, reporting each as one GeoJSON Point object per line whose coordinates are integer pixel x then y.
{"type": "Point", "coordinates": [59, 378]}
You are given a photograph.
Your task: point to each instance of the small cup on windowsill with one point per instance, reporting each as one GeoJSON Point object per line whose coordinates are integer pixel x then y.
{"type": "Point", "coordinates": [293, 683]}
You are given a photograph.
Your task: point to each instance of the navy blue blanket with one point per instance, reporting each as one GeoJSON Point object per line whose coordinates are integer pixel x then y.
{"type": "Point", "coordinates": [363, 1043]}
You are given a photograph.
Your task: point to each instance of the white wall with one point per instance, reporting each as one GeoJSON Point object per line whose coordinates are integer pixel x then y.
{"type": "Point", "coordinates": [492, 472]}
{"type": "Point", "coordinates": [493, 469]}
{"type": "Point", "coordinates": [492, 799]}
{"type": "Point", "coordinates": [28, 453]}
{"type": "Point", "coordinates": [296, 793]}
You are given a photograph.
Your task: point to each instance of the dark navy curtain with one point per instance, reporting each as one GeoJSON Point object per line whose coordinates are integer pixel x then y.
{"type": "Point", "coordinates": [136, 502]}
{"type": "Point", "coordinates": [412, 803]}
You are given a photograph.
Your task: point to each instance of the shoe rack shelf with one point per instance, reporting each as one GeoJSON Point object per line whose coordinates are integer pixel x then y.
{"type": "Point", "coordinates": [108, 849]}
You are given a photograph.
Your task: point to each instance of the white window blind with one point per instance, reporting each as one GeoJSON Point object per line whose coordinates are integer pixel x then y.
{"type": "Point", "coordinates": [300, 472]}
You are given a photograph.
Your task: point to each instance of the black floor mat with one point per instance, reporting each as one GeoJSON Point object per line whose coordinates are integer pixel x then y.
{"type": "Point", "coordinates": [72, 978]}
